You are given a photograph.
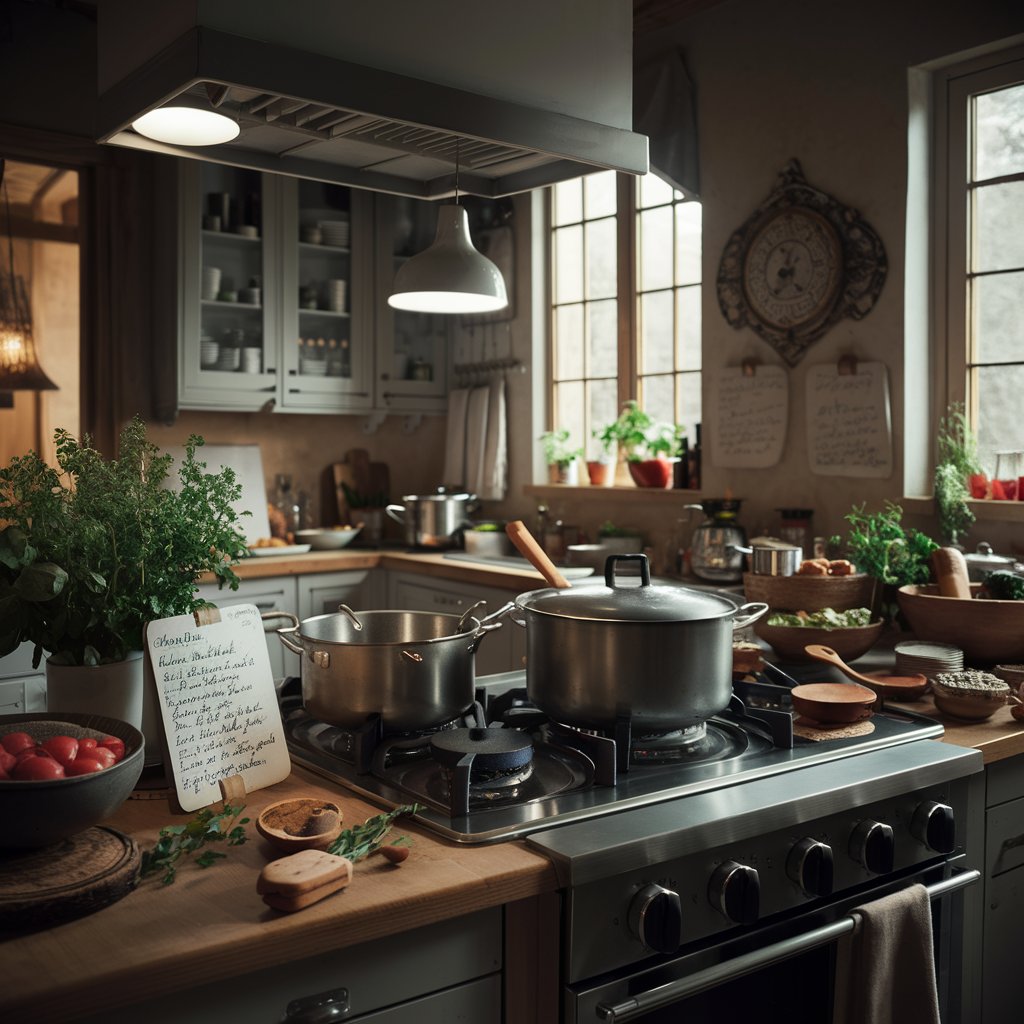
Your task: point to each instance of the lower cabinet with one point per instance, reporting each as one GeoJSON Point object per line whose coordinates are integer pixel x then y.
{"type": "Point", "coordinates": [501, 650]}
{"type": "Point", "coordinates": [22, 687]}
{"type": "Point", "coordinates": [322, 593]}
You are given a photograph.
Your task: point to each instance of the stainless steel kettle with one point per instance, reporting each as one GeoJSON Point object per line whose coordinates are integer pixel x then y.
{"type": "Point", "coordinates": [713, 551]}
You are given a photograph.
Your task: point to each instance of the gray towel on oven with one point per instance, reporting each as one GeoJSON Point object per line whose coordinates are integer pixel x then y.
{"type": "Point", "coordinates": [885, 968]}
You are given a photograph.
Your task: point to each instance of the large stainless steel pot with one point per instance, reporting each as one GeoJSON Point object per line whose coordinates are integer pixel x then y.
{"type": "Point", "coordinates": [414, 669]}
{"type": "Point", "coordinates": [661, 655]}
{"type": "Point", "coordinates": [433, 520]}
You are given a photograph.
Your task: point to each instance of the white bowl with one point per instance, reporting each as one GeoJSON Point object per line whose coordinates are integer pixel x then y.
{"type": "Point", "coordinates": [328, 539]}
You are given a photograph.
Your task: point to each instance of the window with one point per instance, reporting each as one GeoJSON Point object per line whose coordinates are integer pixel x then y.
{"type": "Point", "coordinates": [625, 302]}
{"type": "Point", "coordinates": [985, 256]}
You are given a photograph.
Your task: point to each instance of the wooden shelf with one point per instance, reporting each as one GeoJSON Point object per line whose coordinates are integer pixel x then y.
{"type": "Point", "coordinates": [631, 493]}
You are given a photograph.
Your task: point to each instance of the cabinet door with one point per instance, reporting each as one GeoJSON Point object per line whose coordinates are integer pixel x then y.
{"type": "Point", "coordinates": [321, 594]}
{"type": "Point", "coordinates": [229, 316]}
{"type": "Point", "coordinates": [412, 348]}
{"type": "Point", "coordinates": [327, 358]}
{"type": "Point", "coordinates": [275, 594]}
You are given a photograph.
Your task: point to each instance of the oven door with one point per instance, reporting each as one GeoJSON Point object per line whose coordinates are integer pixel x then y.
{"type": "Point", "coordinates": [782, 972]}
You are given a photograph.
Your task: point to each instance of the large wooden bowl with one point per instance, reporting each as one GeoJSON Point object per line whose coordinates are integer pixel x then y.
{"type": "Point", "coordinates": [788, 642]}
{"type": "Point", "coordinates": [988, 632]}
{"type": "Point", "coordinates": [810, 593]}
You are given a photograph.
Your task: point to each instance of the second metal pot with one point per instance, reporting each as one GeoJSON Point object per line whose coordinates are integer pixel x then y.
{"type": "Point", "coordinates": [414, 669]}
{"type": "Point", "coordinates": [660, 656]}
{"type": "Point", "coordinates": [773, 559]}
{"type": "Point", "coordinates": [433, 520]}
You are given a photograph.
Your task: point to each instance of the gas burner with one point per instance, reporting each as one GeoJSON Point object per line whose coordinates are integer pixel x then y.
{"type": "Point", "coordinates": [698, 743]}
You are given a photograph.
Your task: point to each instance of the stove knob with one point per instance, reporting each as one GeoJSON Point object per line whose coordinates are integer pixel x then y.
{"type": "Point", "coordinates": [656, 918]}
{"type": "Point", "coordinates": [934, 825]}
{"type": "Point", "coordinates": [810, 864]}
{"type": "Point", "coordinates": [872, 845]}
{"type": "Point", "coordinates": [735, 891]}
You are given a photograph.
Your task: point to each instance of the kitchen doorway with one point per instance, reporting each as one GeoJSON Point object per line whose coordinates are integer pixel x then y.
{"type": "Point", "coordinates": [42, 232]}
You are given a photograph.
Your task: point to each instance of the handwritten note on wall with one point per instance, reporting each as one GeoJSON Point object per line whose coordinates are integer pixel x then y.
{"type": "Point", "coordinates": [751, 411]}
{"type": "Point", "coordinates": [849, 421]}
{"type": "Point", "coordinates": [217, 701]}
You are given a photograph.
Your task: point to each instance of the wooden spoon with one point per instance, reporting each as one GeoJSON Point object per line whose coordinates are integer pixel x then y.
{"type": "Point", "coordinates": [885, 685]}
{"type": "Point", "coordinates": [535, 554]}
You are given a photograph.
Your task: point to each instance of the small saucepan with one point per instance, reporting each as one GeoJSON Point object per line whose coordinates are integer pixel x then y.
{"type": "Point", "coordinates": [772, 559]}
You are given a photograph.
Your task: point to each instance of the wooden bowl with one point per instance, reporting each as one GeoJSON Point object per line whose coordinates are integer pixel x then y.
{"type": "Point", "coordinates": [833, 703]}
{"type": "Point", "coordinates": [810, 593]}
{"type": "Point", "coordinates": [300, 824]}
{"type": "Point", "coordinates": [788, 642]}
{"type": "Point", "coordinates": [988, 632]}
{"type": "Point", "coordinates": [971, 707]}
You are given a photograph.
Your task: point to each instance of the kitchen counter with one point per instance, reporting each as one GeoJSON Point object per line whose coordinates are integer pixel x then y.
{"type": "Point", "coordinates": [211, 925]}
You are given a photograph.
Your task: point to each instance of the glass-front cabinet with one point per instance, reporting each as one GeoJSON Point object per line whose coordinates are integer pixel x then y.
{"type": "Point", "coordinates": [411, 348]}
{"type": "Point", "coordinates": [229, 249]}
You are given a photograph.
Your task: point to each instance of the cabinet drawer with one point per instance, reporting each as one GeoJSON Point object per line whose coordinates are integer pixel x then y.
{"type": "Point", "coordinates": [1004, 837]}
{"type": "Point", "coordinates": [18, 696]}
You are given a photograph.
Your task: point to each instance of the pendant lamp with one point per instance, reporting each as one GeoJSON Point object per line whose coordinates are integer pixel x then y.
{"type": "Point", "coordinates": [189, 120]}
{"type": "Point", "coordinates": [19, 367]}
{"type": "Point", "coordinates": [451, 276]}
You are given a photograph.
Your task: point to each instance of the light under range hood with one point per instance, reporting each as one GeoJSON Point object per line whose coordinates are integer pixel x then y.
{"type": "Point", "coordinates": [321, 115]}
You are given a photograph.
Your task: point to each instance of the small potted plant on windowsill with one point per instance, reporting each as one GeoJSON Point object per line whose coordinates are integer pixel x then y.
{"type": "Point", "coordinates": [601, 470]}
{"type": "Point", "coordinates": [561, 458]}
{"type": "Point", "coordinates": [645, 445]}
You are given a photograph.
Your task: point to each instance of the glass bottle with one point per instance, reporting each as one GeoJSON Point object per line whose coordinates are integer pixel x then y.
{"type": "Point", "coordinates": [286, 503]}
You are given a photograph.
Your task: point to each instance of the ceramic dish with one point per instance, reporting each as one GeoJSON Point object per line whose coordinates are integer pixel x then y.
{"type": "Point", "coordinates": [329, 539]}
{"type": "Point", "coordinates": [287, 549]}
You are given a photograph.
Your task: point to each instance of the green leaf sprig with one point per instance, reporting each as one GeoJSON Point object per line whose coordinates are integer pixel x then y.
{"type": "Point", "coordinates": [177, 841]}
{"type": "Point", "coordinates": [361, 840]}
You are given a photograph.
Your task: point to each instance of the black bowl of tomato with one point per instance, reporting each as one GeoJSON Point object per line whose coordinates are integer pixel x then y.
{"type": "Point", "coordinates": [62, 772]}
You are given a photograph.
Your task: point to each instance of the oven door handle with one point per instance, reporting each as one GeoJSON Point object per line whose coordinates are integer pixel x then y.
{"type": "Point", "coordinates": [665, 995]}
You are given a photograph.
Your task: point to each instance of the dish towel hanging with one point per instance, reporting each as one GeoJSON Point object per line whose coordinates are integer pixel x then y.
{"type": "Point", "coordinates": [494, 483]}
{"type": "Point", "coordinates": [476, 443]}
{"type": "Point", "coordinates": [455, 440]}
{"type": "Point", "coordinates": [885, 968]}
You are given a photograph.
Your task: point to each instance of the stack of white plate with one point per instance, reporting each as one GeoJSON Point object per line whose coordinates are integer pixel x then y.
{"type": "Point", "coordinates": [334, 295]}
{"type": "Point", "coordinates": [229, 359]}
{"type": "Point", "coordinates": [209, 350]}
{"type": "Point", "coordinates": [927, 658]}
{"type": "Point", "coordinates": [335, 232]}
{"type": "Point", "coordinates": [313, 367]}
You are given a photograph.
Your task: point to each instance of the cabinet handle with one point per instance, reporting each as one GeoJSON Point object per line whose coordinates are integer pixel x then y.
{"type": "Point", "coordinates": [318, 1009]}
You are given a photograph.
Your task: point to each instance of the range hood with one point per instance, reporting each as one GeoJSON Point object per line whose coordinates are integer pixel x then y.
{"type": "Point", "coordinates": [382, 95]}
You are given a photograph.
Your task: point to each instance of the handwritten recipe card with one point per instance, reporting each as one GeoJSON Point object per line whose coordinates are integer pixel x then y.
{"type": "Point", "coordinates": [217, 702]}
{"type": "Point", "coordinates": [751, 410]}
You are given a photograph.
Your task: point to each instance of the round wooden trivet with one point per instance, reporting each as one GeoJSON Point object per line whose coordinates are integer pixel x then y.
{"type": "Point", "coordinates": [82, 874]}
{"type": "Point", "coordinates": [811, 730]}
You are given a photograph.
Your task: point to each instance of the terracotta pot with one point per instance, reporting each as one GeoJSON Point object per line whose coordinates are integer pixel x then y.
{"type": "Point", "coordinates": [601, 473]}
{"type": "Point", "coordinates": [651, 472]}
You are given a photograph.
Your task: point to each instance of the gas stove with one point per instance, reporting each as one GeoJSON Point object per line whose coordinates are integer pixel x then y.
{"type": "Point", "coordinates": [503, 770]}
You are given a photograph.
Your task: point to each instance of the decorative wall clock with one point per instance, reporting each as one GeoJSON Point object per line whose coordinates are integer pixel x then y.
{"type": "Point", "coordinates": [800, 263]}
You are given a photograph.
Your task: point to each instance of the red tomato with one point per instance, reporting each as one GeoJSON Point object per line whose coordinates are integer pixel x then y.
{"type": "Point", "coordinates": [63, 748]}
{"type": "Point", "coordinates": [114, 744]}
{"type": "Point", "coordinates": [104, 755]}
{"type": "Point", "coordinates": [7, 761]}
{"type": "Point", "coordinates": [39, 768]}
{"type": "Point", "coordinates": [83, 766]}
{"type": "Point", "coordinates": [3, 773]}
{"type": "Point", "coordinates": [86, 743]}
{"type": "Point", "coordinates": [32, 752]}
{"type": "Point", "coordinates": [15, 741]}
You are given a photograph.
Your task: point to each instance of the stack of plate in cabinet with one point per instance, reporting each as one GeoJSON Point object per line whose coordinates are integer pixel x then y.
{"type": "Point", "coordinates": [927, 658]}
{"type": "Point", "coordinates": [335, 232]}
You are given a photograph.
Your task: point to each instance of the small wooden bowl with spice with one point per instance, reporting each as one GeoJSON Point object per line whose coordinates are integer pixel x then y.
{"type": "Point", "coordinates": [300, 824]}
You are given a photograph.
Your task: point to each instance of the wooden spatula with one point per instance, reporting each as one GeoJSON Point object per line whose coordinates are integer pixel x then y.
{"type": "Point", "coordinates": [950, 570]}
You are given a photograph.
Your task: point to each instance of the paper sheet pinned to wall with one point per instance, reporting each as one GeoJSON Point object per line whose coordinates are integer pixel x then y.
{"type": "Point", "coordinates": [849, 421]}
{"type": "Point", "coordinates": [751, 408]}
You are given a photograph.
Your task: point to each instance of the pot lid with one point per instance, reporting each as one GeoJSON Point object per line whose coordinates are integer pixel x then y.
{"type": "Point", "coordinates": [618, 601]}
{"type": "Point", "coordinates": [439, 497]}
{"type": "Point", "coordinates": [985, 557]}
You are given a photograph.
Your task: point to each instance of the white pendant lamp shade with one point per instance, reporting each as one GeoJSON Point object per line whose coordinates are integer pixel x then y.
{"type": "Point", "coordinates": [451, 276]}
{"type": "Point", "coordinates": [184, 125]}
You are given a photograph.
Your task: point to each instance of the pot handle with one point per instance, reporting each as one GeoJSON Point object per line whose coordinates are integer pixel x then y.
{"type": "Point", "coordinates": [282, 633]}
{"type": "Point", "coordinates": [754, 610]}
{"type": "Point", "coordinates": [487, 624]}
{"type": "Point", "coordinates": [351, 616]}
{"type": "Point", "coordinates": [394, 510]}
{"type": "Point", "coordinates": [468, 614]}
{"type": "Point", "coordinates": [645, 568]}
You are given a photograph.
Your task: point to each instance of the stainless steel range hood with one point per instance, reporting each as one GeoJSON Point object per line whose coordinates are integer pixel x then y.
{"type": "Point", "coordinates": [540, 98]}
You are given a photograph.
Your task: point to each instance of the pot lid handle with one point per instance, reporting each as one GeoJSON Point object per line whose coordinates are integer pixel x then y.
{"type": "Point", "coordinates": [645, 568]}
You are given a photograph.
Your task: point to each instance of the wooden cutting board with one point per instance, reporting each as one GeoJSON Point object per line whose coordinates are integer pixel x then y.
{"type": "Point", "coordinates": [53, 884]}
{"type": "Point", "coordinates": [361, 476]}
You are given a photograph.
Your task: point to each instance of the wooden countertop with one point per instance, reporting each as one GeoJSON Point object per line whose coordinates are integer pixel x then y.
{"type": "Point", "coordinates": [997, 738]}
{"type": "Point", "coordinates": [210, 924]}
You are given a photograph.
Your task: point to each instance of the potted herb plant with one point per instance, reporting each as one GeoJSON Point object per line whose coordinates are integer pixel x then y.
{"type": "Point", "coordinates": [561, 457]}
{"type": "Point", "coordinates": [955, 463]}
{"type": "Point", "coordinates": [646, 445]}
{"type": "Point", "coordinates": [601, 470]}
{"type": "Point", "coordinates": [97, 547]}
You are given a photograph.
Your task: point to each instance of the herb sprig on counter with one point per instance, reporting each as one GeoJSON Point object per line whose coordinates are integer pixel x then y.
{"type": "Point", "coordinates": [176, 841]}
{"type": "Point", "coordinates": [361, 840]}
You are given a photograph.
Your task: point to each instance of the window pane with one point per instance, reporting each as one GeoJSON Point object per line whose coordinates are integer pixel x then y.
{"type": "Point", "coordinates": [604, 409]}
{"type": "Point", "coordinates": [603, 348]}
{"type": "Point", "coordinates": [657, 337]}
{"type": "Point", "coordinates": [568, 342]}
{"type": "Point", "coordinates": [688, 243]}
{"type": "Point", "coordinates": [688, 404]}
{"type": "Point", "coordinates": [568, 283]}
{"type": "Point", "coordinates": [654, 191]}
{"type": "Point", "coordinates": [688, 328]}
{"type": "Point", "coordinates": [658, 397]}
{"type": "Point", "coordinates": [1000, 133]}
{"type": "Point", "coordinates": [567, 202]}
{"type": "Point", "coordinates": [569, 411]}
{"type": "Point", "coordinates": [600, 194]}
{"type": "Point", "coordinates": [656, 249]}
{"type": "Point", "coordinates": [601, 259]}
{"type": "Point", "coordinates": [1000, 425]}
{"type": "Point", "coordinates": [998, 235]}
{"type": "Point", "coordinates": [998, 313]}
